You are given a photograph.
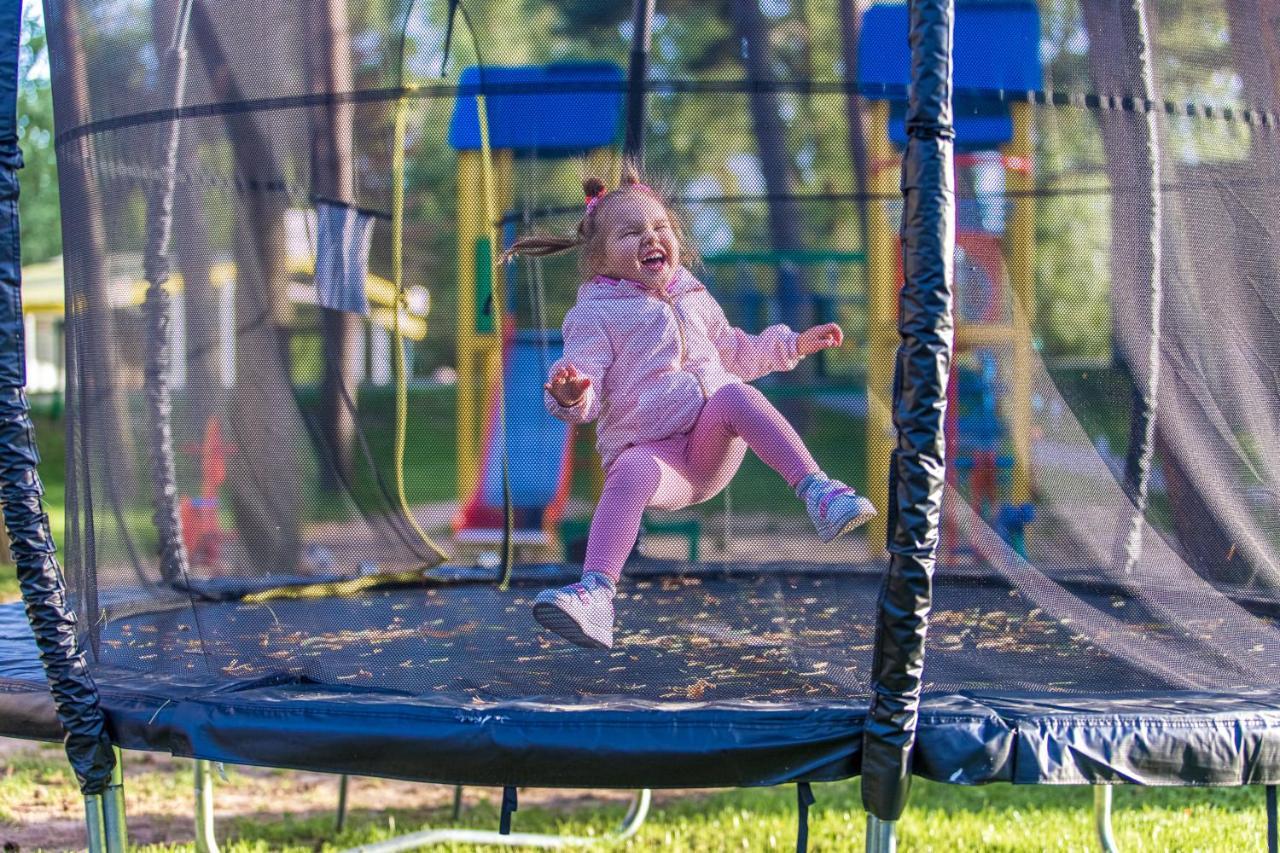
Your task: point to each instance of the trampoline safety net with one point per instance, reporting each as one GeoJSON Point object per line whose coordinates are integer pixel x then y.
{"type": "Point", "coordinates": [276, 213]}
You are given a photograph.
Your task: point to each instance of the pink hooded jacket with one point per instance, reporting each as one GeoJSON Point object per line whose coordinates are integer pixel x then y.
{"type": "Point", "coordinates": [654, 359]}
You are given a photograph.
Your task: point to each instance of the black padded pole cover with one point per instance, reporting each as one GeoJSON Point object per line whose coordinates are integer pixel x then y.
{"type": "Point", "coordinates": [43, 591]}
{"type": "Point", "coordinates": [917, 466]}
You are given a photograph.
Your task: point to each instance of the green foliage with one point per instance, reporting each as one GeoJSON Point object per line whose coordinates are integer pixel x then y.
{"type": "Point", "coordinates": [1073, 239]}
{"type": "Point", "coordinates": [38, 204]}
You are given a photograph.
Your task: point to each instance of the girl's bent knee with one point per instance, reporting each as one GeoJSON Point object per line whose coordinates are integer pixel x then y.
{"type": "Point", "coordinates": [634, 472]}
{"type": "Point", "coordinates": [738, 393]}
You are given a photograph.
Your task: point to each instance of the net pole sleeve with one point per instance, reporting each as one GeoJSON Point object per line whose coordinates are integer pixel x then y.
{"type": "Point", "coordinates": [917, 464]}
{"type": "Point", "coordinates": [1146, 379]}
{"type": "Point", "coordinates": [158, 307]}
{"type": "Point", "coordinates": [75, 695]}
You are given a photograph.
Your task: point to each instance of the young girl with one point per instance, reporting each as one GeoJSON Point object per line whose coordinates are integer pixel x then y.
{"type": "Point", "coordinates": [648, 352]}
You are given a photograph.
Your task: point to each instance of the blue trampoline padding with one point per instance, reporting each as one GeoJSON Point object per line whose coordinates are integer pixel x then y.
{"type": "Point", "coordinates": [562, 108]}
{"type": "Point", "coordinates": [537, 443]}
{"type": "Point", "coordinates": [997, 46]}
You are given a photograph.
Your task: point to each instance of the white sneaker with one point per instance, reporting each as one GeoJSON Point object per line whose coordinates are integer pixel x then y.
{"type": "Point", "coordinates": [834, 508]}
{"type": "Point", "coordinates": [581, 612]}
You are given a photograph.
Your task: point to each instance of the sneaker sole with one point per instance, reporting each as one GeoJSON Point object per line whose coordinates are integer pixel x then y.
{"type": "Point", "coordinates": [852, 524]}
{"type": "Point", "coordinates": [558, 622]}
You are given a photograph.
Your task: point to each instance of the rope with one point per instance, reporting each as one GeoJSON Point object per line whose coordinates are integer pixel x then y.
{"type": "Point", "coordinates": [397, 278]}
{"type": "Point", "coordinates": [499, 312]}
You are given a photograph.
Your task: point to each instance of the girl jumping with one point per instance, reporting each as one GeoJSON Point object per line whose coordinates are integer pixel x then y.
{"type": "Point", "coordinates": [649, 353]}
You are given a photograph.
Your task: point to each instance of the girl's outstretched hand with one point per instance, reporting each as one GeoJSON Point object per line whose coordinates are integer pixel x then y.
{"type": "Point", "coordinates": [818, 338]}
{"type": "Point", "coordinates": [567, 385]}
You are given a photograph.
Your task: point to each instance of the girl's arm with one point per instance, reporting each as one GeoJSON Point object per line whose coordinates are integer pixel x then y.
{"type": "Point", "coordinates": [751, 356]}
{"type": "Point", "coordinates": [588, 351]}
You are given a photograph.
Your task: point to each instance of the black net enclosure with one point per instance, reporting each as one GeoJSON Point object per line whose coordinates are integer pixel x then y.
{"type": "Point", "coordinates": [391, 451]}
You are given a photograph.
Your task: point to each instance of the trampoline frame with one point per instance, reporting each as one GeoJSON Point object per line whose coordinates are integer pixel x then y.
{"type": "Point", "coordinates": [206, 836]}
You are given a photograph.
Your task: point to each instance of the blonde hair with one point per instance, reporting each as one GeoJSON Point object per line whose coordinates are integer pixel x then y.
{"type": "Point", "coordinates": [587, 236]}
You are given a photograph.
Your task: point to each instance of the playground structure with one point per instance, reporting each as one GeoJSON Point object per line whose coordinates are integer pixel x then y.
{"type": "Point", "coordinates": [1059, 660]}
{"type": "Point", "coordinates": [996, 298]}
{"type": "Point", "coordinates": [504, 430]}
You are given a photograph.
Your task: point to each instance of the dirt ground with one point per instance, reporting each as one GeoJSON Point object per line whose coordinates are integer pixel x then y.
{"type": "Point", "coordinates": [163, 813]}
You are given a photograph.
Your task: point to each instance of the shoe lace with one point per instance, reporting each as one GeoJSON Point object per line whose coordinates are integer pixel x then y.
{"type": "Point", "coordinates": [584, 594]}
{"type": "Point", "coordinates": [826, 499]}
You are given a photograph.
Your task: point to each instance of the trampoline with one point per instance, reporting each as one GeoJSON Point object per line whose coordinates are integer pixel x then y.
{"type": "Point", "coordinates": [1069, 415]}
{"type": "Point", "coordinates": [739, 675]}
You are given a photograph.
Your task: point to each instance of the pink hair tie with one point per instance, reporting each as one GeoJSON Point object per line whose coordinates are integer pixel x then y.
{"type": "Point", "coordinates": [592, 199]}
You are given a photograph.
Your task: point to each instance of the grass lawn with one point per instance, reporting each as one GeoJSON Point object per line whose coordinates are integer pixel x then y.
{"type": "Point", "coordinates": [265, 810]}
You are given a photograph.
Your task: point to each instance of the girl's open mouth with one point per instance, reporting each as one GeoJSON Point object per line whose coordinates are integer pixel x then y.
{"type": "Point", "coordinates": [654, 259]}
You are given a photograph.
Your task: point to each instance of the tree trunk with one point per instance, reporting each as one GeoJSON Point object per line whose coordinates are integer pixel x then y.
{"type": "Point", "coordinates": [264, 474]}
{"type": "Point", "coordinates": [1269, 12]}
{"type": "Point", "coordinates": [329, 71]}
{"type": "Point", "coordinates": [103, 409]}
{"type": "Point", "coordinates": [850, 26]}
{"type": "Point", "coordinates": [794, 307]}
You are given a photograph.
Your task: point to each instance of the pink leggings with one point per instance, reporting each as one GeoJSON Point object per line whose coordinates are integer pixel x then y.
{"type": "Point", "coordinates": [690, 468]}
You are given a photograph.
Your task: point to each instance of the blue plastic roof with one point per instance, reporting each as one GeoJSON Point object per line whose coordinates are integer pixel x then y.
{"type": "Point", "coordinates": [997, 46]}
{"type": "Point", "coordinates": [567, 108]}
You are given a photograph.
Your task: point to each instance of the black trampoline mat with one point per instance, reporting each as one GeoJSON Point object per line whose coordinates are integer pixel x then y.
{"type": "Point", "coordinates": [764, 635]}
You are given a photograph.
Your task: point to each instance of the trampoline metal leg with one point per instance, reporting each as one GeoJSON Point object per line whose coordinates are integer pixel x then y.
{"type": "Point", "coordinates": [206, 838]}
{"type": "Point", "coordinates": [1273, 821]}
{"type": "Point", "coordinates": [457, 803]}
{"type": "Point", "coordinates": [882, 835]}
{"type": "Point", "coordinates": [1102, 818]}
{"type": "Point", "coordinates": [94, 829]}
{"type": "Point", "coordinates": [341, 823]}
{"type": "Point", "coordinates": [630, 825]}
{"type": "Point", "coordinates": [635, 815]}
{"type": "Point", "coordinates": [113, 816]}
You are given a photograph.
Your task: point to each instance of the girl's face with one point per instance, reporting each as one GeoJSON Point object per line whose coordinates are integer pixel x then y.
{"type": "Point", "coordinates": [640, 243]}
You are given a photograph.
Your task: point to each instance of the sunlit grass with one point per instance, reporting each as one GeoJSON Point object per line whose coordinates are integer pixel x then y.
{"type": "Point", "coordinates": [939, 817]}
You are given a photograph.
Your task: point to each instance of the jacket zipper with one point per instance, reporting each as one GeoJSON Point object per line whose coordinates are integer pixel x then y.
{"type": "Point", "coordinates": [671, 301]}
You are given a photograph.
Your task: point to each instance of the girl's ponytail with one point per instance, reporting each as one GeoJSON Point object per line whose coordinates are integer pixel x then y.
{"type": "Point", "coordinates": [543, 245]}
{"type": "Point", "coordinates": [540, 246]}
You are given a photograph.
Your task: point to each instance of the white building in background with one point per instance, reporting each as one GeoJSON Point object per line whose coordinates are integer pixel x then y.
{"type": "Point", "coordinates": [43, 303]}
{"type": "Point", "coordinates": [42, 310]}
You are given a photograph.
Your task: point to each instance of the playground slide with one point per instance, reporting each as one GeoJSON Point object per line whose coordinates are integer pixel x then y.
{"type": "Point", "coordinates": [538, 450]}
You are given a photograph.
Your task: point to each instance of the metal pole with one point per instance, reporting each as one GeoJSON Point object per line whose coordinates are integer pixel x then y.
{"type": "Point", "coordinates": [206, 837]}
{"type": "Point", "coordinates": [1102, 818]}
{"type": "Point", "coordinates": [341, 822]}
{"type": "Point", "coordinates": [113, 816]}
{"type": "Point", "coordinates": [94, 829]}
{"type": "Point", "coordinates": [882, 836]}
{"type": "Point", "coordinates": [639, 810]}
{"type": "Point", "coordinates": [457, 803]}
{"type": "Point", "coordinates": [630, 825]}
{"type": "Point", "coordinates": [1273, 822]}
{"type": "Point", "coordinates": [638, 78]}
